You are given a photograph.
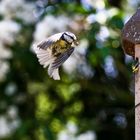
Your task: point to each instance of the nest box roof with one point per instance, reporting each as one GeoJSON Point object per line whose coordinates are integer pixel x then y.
{"type": "Point", "coordinates": [131, 34]}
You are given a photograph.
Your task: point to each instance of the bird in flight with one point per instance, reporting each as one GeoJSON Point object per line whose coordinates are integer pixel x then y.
{"type": "Point", "coordinates": [54, 51]}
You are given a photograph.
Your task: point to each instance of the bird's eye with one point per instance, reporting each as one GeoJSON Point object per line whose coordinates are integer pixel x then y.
{"type": "Point", "coordinates": [72, 37]}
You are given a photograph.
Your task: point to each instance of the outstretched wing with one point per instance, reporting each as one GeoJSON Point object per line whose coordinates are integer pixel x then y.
{"type": "Point", "coordinates": [62, 58]}
{"type": "Point", "coordinates": [43, 50]}
{"type": "Point", "coordinates": [45, 57]}
{"type": "Point", "coordinates": [53, 68]}
{"type": "Point", "coordinates": [49, 41]}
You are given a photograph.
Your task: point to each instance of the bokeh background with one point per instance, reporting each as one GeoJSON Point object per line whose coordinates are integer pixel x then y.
{"type": "Point", "coordinates": [94, 100]}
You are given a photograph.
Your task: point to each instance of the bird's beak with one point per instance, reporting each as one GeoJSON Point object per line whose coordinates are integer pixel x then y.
{"type": "Point", "coordinates": [76, 43]}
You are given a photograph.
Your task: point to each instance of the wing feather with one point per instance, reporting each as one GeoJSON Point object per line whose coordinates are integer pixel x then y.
{"type": "Point", "coordinates": [49, 41]}
{"type": "Point", "coordinates": [57, 62]}
{"type": "Point", "coordinates": [62, 58]}
{"type": "Point", "coordinates": [45, 57]}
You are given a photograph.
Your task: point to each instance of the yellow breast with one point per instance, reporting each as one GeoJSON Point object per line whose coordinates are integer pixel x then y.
{"type": "Point", "coordinates": [60, 47]}
{"type": "Point", "coordinates": [62, 43]}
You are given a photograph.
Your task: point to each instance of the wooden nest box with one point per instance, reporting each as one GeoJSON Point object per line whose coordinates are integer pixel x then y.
{"type": "Point", "coordinates": [131, 34]}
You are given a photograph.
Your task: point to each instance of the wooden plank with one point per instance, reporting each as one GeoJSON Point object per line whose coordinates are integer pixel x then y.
{"type": "Point", "coordinates": [137, 96]}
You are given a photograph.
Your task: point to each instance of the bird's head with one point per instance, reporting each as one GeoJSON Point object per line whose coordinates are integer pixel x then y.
{"type": "Point", "coordinates": [69, 38]}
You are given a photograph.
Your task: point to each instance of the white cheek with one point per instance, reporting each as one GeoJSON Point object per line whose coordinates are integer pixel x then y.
{"type": "Point", "coordinates": [68, 39]}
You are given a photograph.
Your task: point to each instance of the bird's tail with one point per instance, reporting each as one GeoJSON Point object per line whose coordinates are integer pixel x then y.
{"type": "Point", "coordinates": [54, 73]}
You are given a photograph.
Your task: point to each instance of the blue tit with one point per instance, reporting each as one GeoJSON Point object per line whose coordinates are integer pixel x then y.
{"type": "Point", "coordinates": [54, 51]}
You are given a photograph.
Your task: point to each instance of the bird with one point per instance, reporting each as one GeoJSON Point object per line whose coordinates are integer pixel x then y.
{"type": "Point", "coordinates": [53, 51]}
{"type": "Point", "coordinates": [135, 65]}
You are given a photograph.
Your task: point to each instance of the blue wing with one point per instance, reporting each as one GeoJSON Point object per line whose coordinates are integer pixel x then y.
{"type": "Point", "coordinates": [45, 44]}
{"type": "Point", "coordinates": [49, 41]}
{"type": "Point", "coordinates": [62, 58]}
